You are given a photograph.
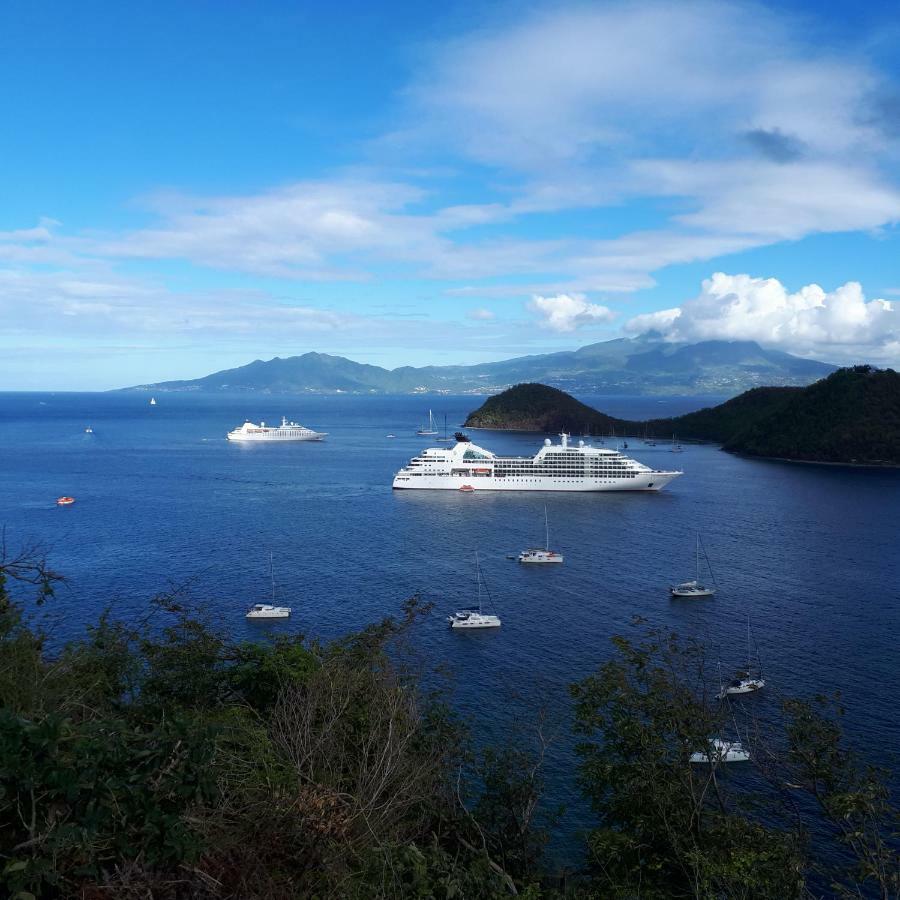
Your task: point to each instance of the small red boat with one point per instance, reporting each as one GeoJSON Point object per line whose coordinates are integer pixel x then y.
{"type": "Point", "coordinates": [65, 501]}
{"type": "Point", "coordinates": [467, 489]}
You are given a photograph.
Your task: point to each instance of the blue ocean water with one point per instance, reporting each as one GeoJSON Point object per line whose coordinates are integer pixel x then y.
{"type": "Point", "coordinates": [811, 552]}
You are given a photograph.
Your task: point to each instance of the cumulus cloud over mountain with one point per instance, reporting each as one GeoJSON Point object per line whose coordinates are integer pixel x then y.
{"type": "Point", "coordinates": [837, 325]}
{"type": "Point", "coordinates": [568, 312]}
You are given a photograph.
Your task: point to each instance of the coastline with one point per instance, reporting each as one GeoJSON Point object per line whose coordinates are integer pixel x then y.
{"type": "Point", "coordinates": [695, 442]}
{"type": "Point", "coordinates": [815, 462]}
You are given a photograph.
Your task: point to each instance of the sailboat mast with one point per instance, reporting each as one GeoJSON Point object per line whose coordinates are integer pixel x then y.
{"type": "Point", "coordinates": [698, 557]}
{"type": "Point", "coordinates": [272, 575]}
{"type": "Point", "coordinates": [478, 581]}
{"type": "Point", "coordinates": [749, 653]}
{"type": "Point", "coordinates": [546, 530]}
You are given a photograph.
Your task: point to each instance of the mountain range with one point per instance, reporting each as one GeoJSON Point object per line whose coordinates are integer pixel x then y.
{"type": "Point", "coordinates": [643, 365]}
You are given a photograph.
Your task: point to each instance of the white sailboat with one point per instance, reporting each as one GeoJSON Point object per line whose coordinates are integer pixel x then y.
{"type": "Point", "coordinates": [695, 588]}
{"type": "Point", "coordinates": [676, 447]}
{"type": "Point", "coordinates": [541, 554]}
{"type": "Point", "coordinates": [721, 750]}
{"type": "Point", "coordinates": [429, 428]}
{"type": "Point", "coordinates": [474, 616]}
{"type": "Point", "coordinates": [153, 401]}
{"type": "Point", "coordinates": [445, 439]}
{"type": "Point", "coordinates": [269, 610]}
{"type": "Point", "coordinates": [745, 682]}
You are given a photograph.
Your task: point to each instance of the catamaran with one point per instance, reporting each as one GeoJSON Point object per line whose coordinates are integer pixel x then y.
{"type": "Point", "coordinates": [474, 616]}
{"type": "Point", "coordinates": [268, 610]}
{"type": "Point", "coordinates": [555, 467]}
{"type": "Point", "coordinates": [745, 682]}
{"type": "Point", "coordinates": [541, 554]}
{"type": "Point", "coordinates": [721, 750]}
{"type": "Point", "coordinates": [695, 588]}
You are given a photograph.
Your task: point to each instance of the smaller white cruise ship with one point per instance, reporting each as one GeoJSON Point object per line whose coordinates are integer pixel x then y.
{"type": "Point", "coordinates": [555, 467]}
{"type": "Point", "coordinates": [286, 431]}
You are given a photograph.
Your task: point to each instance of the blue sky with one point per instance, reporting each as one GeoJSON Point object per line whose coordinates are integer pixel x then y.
{"type": "Point", "coordinates": [187, 187]}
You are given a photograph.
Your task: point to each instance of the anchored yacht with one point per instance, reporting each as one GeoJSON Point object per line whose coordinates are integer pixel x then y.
{"type": "Point", "coordinates": [287, 431]}
{"type": "Point", "coordinates": [721, 750]}
{"type": "Point", "coordinates": [555, 467]}
{"type": "Point", "coordinates": [475, 616]}
{"type": "Point", "coordinates": [541, 555]}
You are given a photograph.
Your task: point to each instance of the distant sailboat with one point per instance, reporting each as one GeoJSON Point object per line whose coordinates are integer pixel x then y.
{"type": "Point", "coordinates": [676, 447]}
{"type": "Point", "coordinates": [542, 555]}
{"type": "Point", "coordinates": [153, 401]}
{"type": "Point", "coordinates": [745, 682]}
{"type": "Point", "coordinates": [721, 751]}
{"type": "Point", "coordinates": [269, 610]}
{"type": "Point", "coordinates": [429, 428]}
{"type": "Point", "coordinates": [475, 617]}
{"type": "Point", "coordinates": [695, 588]}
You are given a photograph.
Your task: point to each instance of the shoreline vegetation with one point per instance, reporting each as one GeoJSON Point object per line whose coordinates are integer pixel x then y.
{"type": "Point", "coordinates": [852, 417]}
{"type": "Point", "coordinates": [161, 759]}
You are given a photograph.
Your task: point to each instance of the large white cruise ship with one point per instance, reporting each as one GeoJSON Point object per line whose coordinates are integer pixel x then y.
{"type": "Point", "coordinates": [287, 431]}
{"type": "Point", "coordinates": [556, 467]}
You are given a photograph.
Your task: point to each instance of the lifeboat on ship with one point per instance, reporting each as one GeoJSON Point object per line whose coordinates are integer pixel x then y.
{"type": "Point", "coordinates": [467, 489]}
{"type": "Point", "coordinates": [65, 501]}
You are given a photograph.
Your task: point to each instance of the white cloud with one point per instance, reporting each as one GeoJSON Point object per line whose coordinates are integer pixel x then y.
{"type": "Point", "coordinates": [839, 325]}
{"type": "Point", "coordinates": [729, 123]}
{"type": "Point", "coordinates": [480, 315]}
{"type": "Point", "coordinates": [556, 86]}
{"type": "Point", "coordinates": [725, 122]}
{"type": "Point", "coordinates": [568, 312]}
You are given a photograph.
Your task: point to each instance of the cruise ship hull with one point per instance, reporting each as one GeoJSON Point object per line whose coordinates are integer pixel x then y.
{"type": "Point", "coordinates": [653, 481]}
{"type": "Point", "coordinates": [269, 438]}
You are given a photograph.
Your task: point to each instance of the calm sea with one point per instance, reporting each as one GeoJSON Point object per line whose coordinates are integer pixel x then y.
{"type": "Point", "coordinates": [811, 552]}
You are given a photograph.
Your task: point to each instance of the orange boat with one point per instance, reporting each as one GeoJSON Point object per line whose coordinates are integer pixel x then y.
{"type": "Point", "coordinates": [467, 489]}
{"type": "Point", "coordinates": [65, 501]}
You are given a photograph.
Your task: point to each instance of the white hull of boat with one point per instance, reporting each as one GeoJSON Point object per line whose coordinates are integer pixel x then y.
{"type": "Point", "coordinates": [691, 592]}
{"type": "Point", "coordinates": [653, 481]}
{"type": "Point", "coordinates": [474, 620]}
{"type": "Point", "coordinates": [540, 557]}
{"type": "Point", "coordinates": [265, 611]}
{"type": "Point", "coordinates": [746, 686]}
{"type": "Point", "coordinates": [269, 438]}
{"type": "Point", "coordinates": [721, 751]}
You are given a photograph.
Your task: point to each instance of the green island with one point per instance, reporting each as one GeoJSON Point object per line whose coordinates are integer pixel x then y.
{"type": "Point", "coordinates": [850, 417]}
{"type": "Point", "coordinates": [163, 760]}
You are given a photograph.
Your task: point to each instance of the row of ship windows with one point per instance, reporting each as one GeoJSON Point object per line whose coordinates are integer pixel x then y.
{"type": "Point", "coordinates": [606, 470]}
{"type": "Point", "coordinates": [513, 475]}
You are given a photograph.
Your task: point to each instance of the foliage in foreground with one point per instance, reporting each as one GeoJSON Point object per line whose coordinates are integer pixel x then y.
{"type": "Point", "coordinates": [166, 761]}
